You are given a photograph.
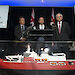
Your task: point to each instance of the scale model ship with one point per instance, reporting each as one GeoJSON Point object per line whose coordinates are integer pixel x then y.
{"type": "Point", "coordinates": [32, 61]}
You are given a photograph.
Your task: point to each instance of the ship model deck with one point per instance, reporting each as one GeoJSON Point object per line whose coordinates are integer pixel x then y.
{"type": "Point", "coordinates": [32, 62]}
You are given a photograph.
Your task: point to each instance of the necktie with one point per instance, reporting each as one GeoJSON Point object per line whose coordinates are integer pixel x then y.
{"type": "Point", "coordinates": [59, 28]}
{"type": "Point", "coordinates": [22, 31]}
{"type": "Point", "coordinates": [41, 26]}
{"type": "Point", "coordinates": [22, 28]}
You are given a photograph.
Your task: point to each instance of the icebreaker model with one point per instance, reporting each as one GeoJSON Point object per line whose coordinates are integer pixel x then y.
{"type": "Point", "coordinates": [32, 61]}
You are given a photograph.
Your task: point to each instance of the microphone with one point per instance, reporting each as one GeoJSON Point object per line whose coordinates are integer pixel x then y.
{"type": "Point", "coordinates": [28, 29]}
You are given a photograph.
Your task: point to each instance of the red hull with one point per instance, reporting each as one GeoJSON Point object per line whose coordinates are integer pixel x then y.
{"type": "Point", "coordinates": [33, 65]}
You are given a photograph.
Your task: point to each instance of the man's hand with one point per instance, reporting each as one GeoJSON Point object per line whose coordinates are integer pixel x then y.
{"type": "Point", "coordinates": [53, 44]}
{"type": "Point", "coordinates": [22, 39]}
{"type": "Point", "coordinates": [51, 23]}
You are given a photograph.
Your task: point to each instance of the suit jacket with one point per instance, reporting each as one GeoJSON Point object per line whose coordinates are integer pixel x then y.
{"type": "Point", "coordinates": [46, 26]}
{"type": "Point", "coordinates": [65, 32]}
{"type": "Point", "coordinates": [18, 32]}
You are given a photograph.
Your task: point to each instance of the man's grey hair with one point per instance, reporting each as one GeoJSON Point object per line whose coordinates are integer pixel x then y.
{"type": "Point", "coordinates": [60, 14]}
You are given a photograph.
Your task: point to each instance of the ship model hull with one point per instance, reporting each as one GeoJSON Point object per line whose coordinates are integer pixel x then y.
{"type": "Point", "coordinates": [37, 67]}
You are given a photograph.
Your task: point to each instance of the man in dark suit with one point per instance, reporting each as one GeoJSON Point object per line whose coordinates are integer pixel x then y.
{"type": "Point", "coordinates": [62, 29]}
{"type": "Point", "coordinates": [61, 33]}
{"type": "Point", "coordinates": [20, 30]}
{"type": "Point", "coordinates": [41, 24]}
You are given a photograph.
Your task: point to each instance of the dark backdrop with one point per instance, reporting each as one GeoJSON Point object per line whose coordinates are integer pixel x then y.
{"type": "Point", "coordinates": [16, 12]}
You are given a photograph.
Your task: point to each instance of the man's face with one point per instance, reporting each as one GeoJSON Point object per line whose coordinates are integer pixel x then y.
{"type": "Point", "coordinates": [59, 17]}
{"type": "Point", "coordinates": [41, 20]}
{"type": "Point", "coordinates": [22, 21]}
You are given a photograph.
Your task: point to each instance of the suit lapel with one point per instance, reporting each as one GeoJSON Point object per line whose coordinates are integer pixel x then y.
{"type": "Point", "coordinates": [62, 27]}
{"type": "Point", "coordinates": [57, 27]}
{"type": "Point", "coordinates": [20, 28]}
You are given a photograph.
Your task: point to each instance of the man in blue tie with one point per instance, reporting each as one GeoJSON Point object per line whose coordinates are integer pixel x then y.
{"type": "Point", "coordinates": [20, 30]}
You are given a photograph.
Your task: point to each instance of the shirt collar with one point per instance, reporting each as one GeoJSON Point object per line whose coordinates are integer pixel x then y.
{"type": "Point", "coordinates": [21, 25]}
{"type": "Point", "coordinates": [60, 22]}
{"type": "Point", "coordinates": [41, 24]}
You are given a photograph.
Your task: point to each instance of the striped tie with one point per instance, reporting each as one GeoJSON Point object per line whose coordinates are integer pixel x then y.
{"type": "Point", "coordinates": [59, 28]}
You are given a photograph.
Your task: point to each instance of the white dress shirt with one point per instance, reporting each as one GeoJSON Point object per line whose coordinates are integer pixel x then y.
{"type": "Point", "coordinates": [60, 24]}
{"type": "Point", "coordinates": [41, 26]}
{"type": "Point", "coordinates": [23, 27]}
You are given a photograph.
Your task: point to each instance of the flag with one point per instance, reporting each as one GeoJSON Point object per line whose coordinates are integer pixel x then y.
{"type": "Point", "coordinates": [52, 16]}
{"type": "Point", "coordinates": [32, 17]}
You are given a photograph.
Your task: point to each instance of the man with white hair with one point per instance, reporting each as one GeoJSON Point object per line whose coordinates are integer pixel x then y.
{"type": "Point", "coordinates": [61, 33]}
{"type": "Point", "coordinates": [62, 30]}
